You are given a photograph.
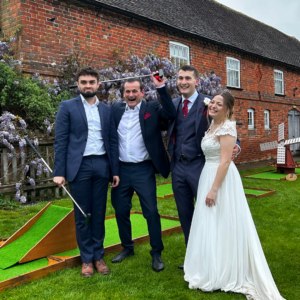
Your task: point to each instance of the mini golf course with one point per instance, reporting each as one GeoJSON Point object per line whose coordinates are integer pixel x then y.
{"type": "Point", "coordinates": [35, 238]}
{"type": "Point", "coordinates": [166, 191]}
{"type": "Point", "coordinates": [270, 175]}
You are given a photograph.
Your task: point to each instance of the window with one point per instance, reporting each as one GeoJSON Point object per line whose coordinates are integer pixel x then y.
{"type": "Point", "coordinates": [279, 83]}
{"type": "Point", "coordinates": [180, 53]}
{"type": "Point", "coordinates": [250, 118]}
{"type": "Point", "coordinates": [233, 72]}
{"type": "Point", "coordinates": [267, 119]}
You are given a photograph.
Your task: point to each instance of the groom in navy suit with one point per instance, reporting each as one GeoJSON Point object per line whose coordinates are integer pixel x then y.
{"type": "Point", "coordinates": [86, 155]}
{"type": "Point", "coordinates": [142, 153]}
{"type": "Point", "coordinates": [185, 134]}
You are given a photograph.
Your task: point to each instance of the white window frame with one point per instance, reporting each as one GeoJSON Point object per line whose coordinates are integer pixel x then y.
{"type": "Point", "coordinates": [250, 118]}
{"type": "Point", "coordinates": [279, 83]}
{"type": "Point", "coordinates": [230, 71]}
{"type": "Point", "coordinates": [267, 118]}
{"type": "Point", "coordinates": [177, 51]}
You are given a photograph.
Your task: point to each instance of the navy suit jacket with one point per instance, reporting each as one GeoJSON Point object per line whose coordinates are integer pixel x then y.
{"type": "Point", "coordinates": [71, 132]}
{"type": "Point", "coordinates": [152, 115]}
{"type": "Point", "coordinates": [201, 123]}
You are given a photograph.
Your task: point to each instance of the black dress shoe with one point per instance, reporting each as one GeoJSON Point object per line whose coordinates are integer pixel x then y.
{"type": "Point", "coordinates": [180, 267]}
{"type": "Point", "coordinates": [122, 255]}
{"type": "Point", "coordinates": [157, 264]}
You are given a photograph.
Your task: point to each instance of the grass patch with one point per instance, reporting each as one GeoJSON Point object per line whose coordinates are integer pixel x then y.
{"type": "Point", "coordinates": [12, 253]}
{"type": "Point", "coordinates": [254, 192]}
{"type": "Point", "coordinates": [23, 268]}
{"type": "Point", "coordinates": [164, 189]}
{"type": "Point", "coordinates": [276, 219]}
{"type": "Point", "coordinates": [271, 175]}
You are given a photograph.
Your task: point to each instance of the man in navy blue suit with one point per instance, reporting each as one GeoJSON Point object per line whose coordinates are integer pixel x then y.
{"type": "Point", "coordinates": [86, 155]}
{"type": "Point", "coordinates": [142, 152]}
{"type": "Point", "coordinates": [185, 134]}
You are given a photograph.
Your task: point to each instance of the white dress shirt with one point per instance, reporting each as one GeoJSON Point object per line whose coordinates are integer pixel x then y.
{"type": "Point", "coordinates": [131, 143]}
{"type": "Point", "coordinates": [95, 143]}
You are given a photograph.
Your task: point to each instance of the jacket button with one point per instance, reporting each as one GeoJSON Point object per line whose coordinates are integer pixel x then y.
{"type": "Point", "coordinates": [81, 152]}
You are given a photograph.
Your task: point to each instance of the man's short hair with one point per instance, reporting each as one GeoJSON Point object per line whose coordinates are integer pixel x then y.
{"type": "Point", "coordinates": [134, 80]}
{"type": "Point", "coordinates": [88, 71]}
{"type": "Point", "coordinates": [189, 68]}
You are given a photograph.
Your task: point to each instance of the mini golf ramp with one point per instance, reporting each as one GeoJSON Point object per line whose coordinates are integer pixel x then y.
{"type": "Point", "coordinates": [25, 272]}
{"type": "Point", "coordinates": [52, 230]}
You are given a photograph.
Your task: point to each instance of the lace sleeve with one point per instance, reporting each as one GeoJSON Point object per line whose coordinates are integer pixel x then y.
{"type": "Point", "coordinates": [229, 127]}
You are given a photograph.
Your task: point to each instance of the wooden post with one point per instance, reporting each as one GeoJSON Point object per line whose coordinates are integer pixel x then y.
{"type": "Point", "coordinates": [14, 166]}
{"type": "Point", "coordinates": [5, 166]}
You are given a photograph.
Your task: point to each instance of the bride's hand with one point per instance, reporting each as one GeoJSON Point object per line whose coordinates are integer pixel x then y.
{"type": "Point", "coordinates": [211, 198]}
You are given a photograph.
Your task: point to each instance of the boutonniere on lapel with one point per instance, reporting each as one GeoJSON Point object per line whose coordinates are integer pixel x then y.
{"type": "Point", "coordinates": [146, 115]}
{"type": "Point", "coordinates": [206, 101]}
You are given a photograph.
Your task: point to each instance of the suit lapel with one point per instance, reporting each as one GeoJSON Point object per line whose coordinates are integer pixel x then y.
{"type": "Point", "coordinates": [200, 110]}
{"type": "Point", "coordinates": [102, 117]}
{"type": "Point", "coordinates": [119, 113]}
{"type": "Point", "coordinates": [141, 115]}
{"type": "Point", "coordinates": [177, 106]}
{"type": "Point", "coordinates": [81, 109]}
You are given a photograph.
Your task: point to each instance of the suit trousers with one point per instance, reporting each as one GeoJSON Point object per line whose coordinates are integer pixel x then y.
{"type": "Point", "coordinates": [139, 177]}
{"type": "Point", "coordinates": [185, 179]}
{"type": "Point", "coordinates": [89, 189]}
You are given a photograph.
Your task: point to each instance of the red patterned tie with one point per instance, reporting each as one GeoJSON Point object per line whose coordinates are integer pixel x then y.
{"type": "Point", "coordinates": [185, 109]}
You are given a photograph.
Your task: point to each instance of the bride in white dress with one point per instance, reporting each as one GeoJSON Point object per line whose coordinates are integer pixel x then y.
{"type": "Point", "coordinates": [224, 250]}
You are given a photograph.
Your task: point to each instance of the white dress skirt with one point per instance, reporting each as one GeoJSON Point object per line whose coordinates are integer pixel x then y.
{"type": "Point", "coordinates": [224, 251]}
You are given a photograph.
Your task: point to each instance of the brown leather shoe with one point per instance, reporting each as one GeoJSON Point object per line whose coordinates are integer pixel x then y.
{"type": "Point", "coordinates": [101, 266]}
{"type": "Point", "coordinates": [87, 270]}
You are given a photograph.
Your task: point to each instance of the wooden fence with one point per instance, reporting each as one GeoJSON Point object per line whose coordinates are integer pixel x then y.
{"type": "Point", "coordinates": [11, 172]}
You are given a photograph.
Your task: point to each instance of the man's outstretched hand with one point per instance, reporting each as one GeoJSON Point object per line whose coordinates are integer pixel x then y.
{"type": "Point", "coordinates": [158, 83]}
{"type": "Point", "coordinates": [235, 152]}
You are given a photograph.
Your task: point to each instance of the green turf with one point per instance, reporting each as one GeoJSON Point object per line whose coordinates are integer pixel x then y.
{"type": "Point", "coordinates": [12, 253]}
{"type": "Point", "coordinates": [254, 192]}
{"type": "Point", "coordinates": [164, 189]}
{"type": "Point", "coordinates": [139, 228]}
{"type": "Point", "coordinates": [271, 175]}
{"type": "Point", "coordinates": [20, 269]}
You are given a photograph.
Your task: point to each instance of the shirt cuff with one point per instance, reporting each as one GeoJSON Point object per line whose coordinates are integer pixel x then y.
{"type": "Point", "coordinates": [161, 86]}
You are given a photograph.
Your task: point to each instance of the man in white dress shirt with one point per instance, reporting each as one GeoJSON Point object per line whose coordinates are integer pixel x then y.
{"type": "Point", "coordinates": [141, 154]}
{"type": "Point", "coordinates": [86, 155]}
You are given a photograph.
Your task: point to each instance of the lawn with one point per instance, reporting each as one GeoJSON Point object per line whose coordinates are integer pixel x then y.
{"type": "Point", "coordinates": [276, 218]}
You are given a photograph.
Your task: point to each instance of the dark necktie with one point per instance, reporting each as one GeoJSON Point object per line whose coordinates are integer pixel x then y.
{"type": "Point", "coordinates": [185, 109]}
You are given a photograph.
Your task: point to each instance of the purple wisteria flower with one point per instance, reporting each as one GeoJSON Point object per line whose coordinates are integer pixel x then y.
{"type": "Point", "coordinates": [31, 181]}
{"type": "Point", "coordinates": [23, 124]}
{"type": "Point", "coordinates": [18, 185]}
{"type": "Point", "coordinates": [23, 199]}
{"type": "Point", "coordinates": [36, 142]}
{"type": "Point", "coordinates": [18, 195]}
{"type": "Point", "coordinates": [26, 169]}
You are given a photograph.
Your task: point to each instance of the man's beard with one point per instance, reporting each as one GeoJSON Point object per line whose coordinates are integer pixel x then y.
{"type": "Point", "coordinates": [88, 94]}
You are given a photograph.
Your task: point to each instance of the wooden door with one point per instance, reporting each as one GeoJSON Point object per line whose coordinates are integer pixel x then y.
{"type": "Point", "coordinates": [294, 128]}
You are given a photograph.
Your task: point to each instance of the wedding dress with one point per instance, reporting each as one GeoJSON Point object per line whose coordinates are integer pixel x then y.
{"type": "Point", "coordinates": [224, 250]}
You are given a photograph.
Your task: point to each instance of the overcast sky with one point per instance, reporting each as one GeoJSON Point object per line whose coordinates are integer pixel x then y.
{"type": "Point", "coordinates": [283, 15]}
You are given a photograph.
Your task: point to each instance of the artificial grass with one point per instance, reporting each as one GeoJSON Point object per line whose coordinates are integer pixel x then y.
{"type": "Point", "coordinates": [271, 175]}
{"type": "Point", "coordinates": [139, 228]}
{"type": "Point", "coordinates": [12, 253]}
{"type": "Point", "coordinates": [164, 189]}
{"type": "Point", "coordinates": [254, 192]}
{"type": "Point", "coordinates": [22, 268]}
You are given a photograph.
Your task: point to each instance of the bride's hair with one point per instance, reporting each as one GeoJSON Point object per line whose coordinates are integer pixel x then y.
{"type": "Point", "coordinates": [228, 102]}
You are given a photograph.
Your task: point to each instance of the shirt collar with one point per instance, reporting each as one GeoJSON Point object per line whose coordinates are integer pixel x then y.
{"type": "Point", "coordinates": [192, 98]}
{"type": "Point", "coordinates": [138, 106]}
{"type": "Point", "coordinates": [84, 101]}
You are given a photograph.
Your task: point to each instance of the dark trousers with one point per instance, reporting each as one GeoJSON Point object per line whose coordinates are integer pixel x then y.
{"type": "Point", "coordinates": [89, 189]}
{"type": "Point", "coordinates": [139, 177]}
{"type": "Point", "coordinates": [185, 179]}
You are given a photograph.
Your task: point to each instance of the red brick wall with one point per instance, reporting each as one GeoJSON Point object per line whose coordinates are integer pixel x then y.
{"type": "Point", "coordinates": [77, 28]}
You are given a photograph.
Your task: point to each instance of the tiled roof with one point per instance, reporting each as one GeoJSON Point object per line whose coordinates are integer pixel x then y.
{"type": "Point", "coordinates": [216, 22]}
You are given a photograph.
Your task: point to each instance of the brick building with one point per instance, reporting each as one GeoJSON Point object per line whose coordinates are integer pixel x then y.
{"type": "Point", "coordinates": [259, 64]}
